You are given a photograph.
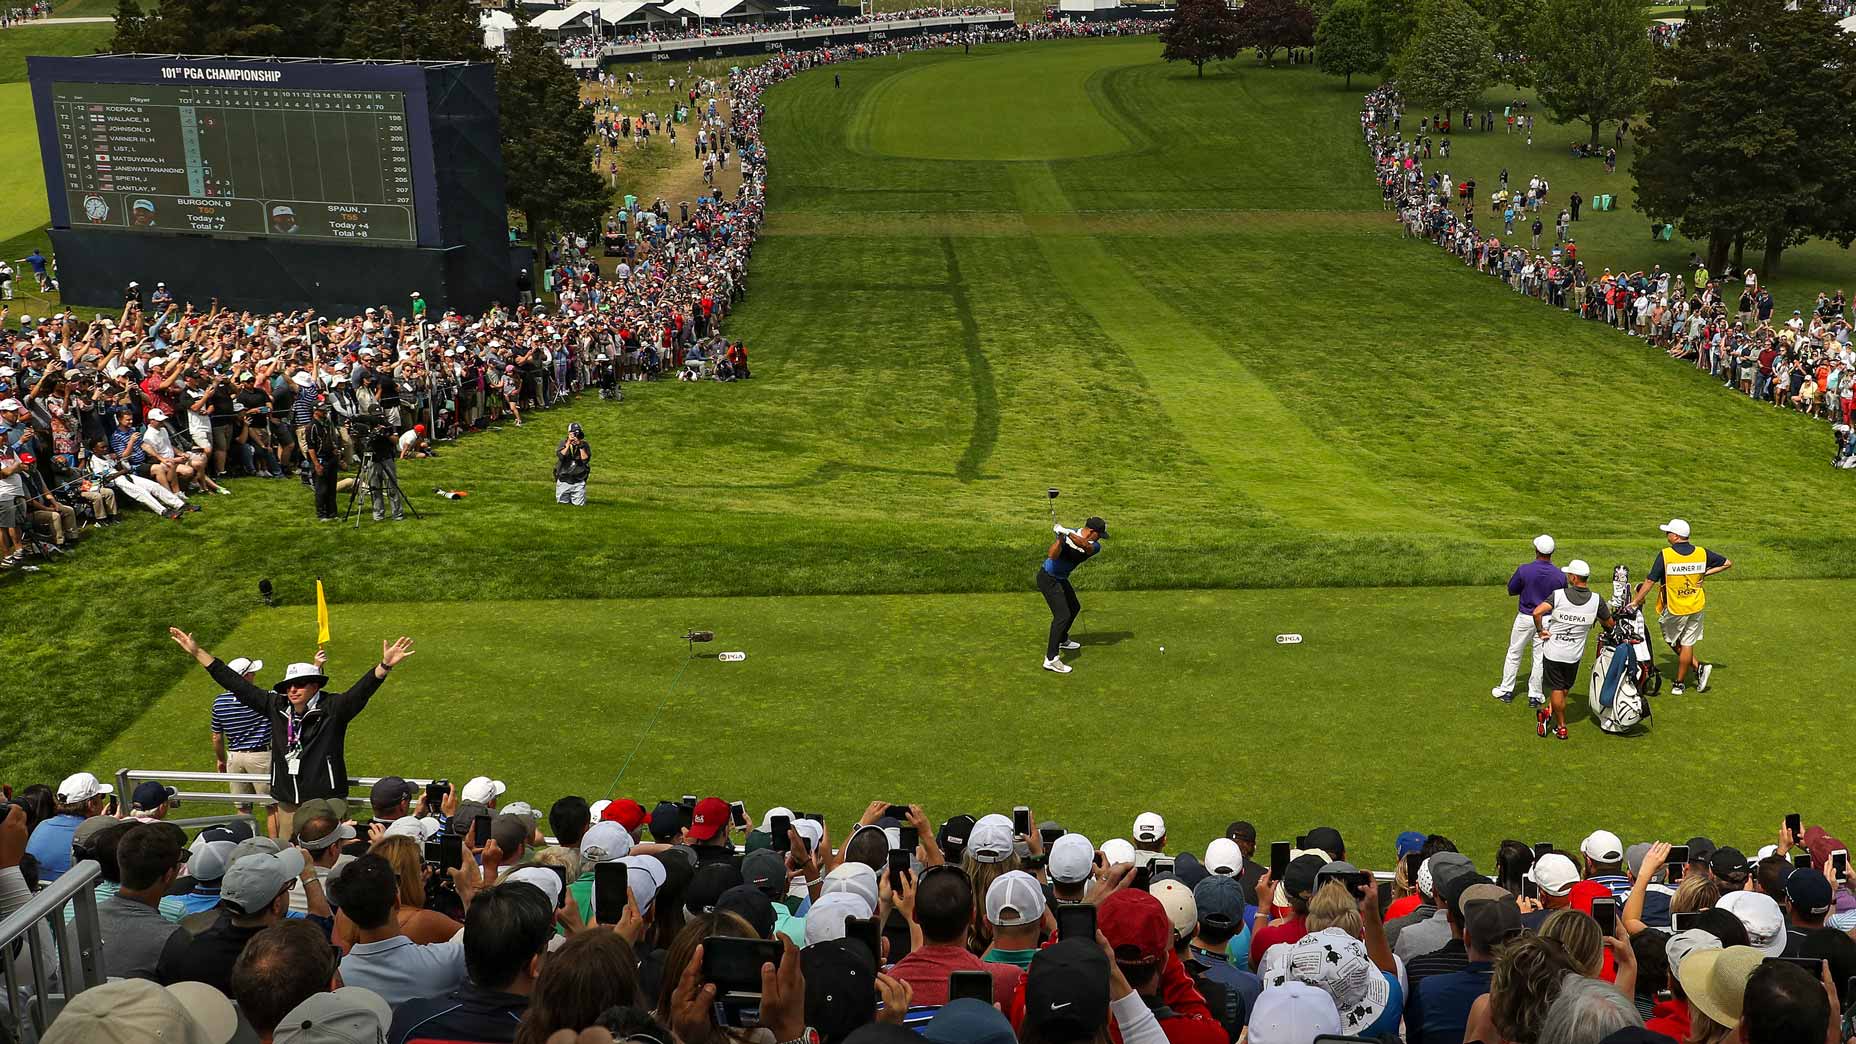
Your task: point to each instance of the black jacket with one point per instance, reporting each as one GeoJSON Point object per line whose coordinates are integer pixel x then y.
{"type": "Point", "coordinates": [466, 1014]}
{"type": "Point", "coordinates": [568, 465]}
{"type": "Point", "coordinates": [323, 771]}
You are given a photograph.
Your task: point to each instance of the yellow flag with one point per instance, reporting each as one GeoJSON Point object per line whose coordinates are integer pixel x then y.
{"type": "Point", "coordinates": [322, 616]}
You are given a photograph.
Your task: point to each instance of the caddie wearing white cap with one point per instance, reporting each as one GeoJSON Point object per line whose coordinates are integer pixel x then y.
{"type": "Point", "coordinates": [1680, 568]}
{"type": "Point", "coordinates": [1532, 583]}
{"type": "Point", "coordinates": [1564, 621]}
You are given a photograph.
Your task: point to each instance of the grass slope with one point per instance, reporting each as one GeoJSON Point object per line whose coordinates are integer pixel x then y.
{"type": "Point", "coordinates": [1210, 334]}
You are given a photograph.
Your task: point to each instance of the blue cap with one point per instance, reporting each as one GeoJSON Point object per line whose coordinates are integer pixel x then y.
{"type": "Point", "coordinates": [1408, 842]}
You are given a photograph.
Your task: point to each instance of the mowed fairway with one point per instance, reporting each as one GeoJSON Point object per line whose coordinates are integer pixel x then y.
{"type": "Point", "coordinates": [1048, 264]}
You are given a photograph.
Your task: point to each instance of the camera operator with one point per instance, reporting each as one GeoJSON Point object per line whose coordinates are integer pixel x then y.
{"type": "Point", "coordinates": [572, 464]}
{"type": "Point", "coordinates": [319, 446]}
{"type": "Point", "coordinates": [374, 438]}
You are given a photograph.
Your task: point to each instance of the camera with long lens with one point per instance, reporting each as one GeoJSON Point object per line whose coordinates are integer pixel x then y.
{"type": "Point", "coordinates": [372, 432]}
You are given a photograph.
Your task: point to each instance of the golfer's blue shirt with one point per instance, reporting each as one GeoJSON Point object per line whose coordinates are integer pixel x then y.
{"type": "Point", "coordinates": [1068, 558]}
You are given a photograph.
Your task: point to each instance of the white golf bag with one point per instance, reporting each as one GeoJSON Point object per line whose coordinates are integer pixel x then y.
{"type": "Point", "coordinates": [1624, 674]}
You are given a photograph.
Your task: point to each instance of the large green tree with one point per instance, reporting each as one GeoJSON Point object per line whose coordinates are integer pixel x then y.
{"type": "Point", "coordinates": [251, 27]}
{"type": "Point", "coordinates": [1344, 44]}
{"type": "Point", "coordinates": [1511, 29]}
{"type": "Point", "coordinates": [547, 146]}
{"type": "Point", "coordinates": [1274, 25]}
{"type": "Point", "coordinates": [1591, 60]}
{"type": "Point", "coordinates": [1391, 23]}
{"type": "Point", "coordinates": [409, 30]}
{"type": "Point", "coordinates": [1751, 133]}
{"type": "Point", "coordinates": [1449, 60]}
{"type": "Point", "coordinates": [1201, 31]}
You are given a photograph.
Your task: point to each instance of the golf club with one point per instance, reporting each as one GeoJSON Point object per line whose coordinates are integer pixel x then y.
{"type": "Point", "coordinates": [1052, 493]}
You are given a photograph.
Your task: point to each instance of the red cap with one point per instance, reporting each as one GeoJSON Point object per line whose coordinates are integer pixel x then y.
{"type": "Point", "coordinates": [1582, 894]}
{"type": "Point", "coordinates": [626, 813]}
{"type": "Point", "coordinates": [711, 818]}
{"type": "Point", "coordinates": [1133, 918]}
{"type": "Point", "coordinates": [420, 428]}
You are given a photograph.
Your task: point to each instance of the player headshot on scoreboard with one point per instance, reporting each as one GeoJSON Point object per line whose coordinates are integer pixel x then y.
{"type": "Point", "coordinates": [142, 213]}
{"type": "Point", "coordinates": [283, 220]}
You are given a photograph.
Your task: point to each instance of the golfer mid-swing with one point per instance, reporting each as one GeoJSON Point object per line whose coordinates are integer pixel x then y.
{"type": "Point", "coordinates": [1073, 548]}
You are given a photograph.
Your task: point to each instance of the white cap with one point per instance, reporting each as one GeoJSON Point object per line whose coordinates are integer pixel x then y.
{"type": "Point", "coordinates": [1602, 846]}
{"type": "Point", "coordinates": [1543, 544]}
{"type": "Point", "coordinates": [245, 666]}
{"type": "Point", "coordinates": [9, 404]}
{"type": "Point", "coordinates": [1577, 567]}
{"type": "Point", "coordinates": [1182, 910]}
{"type": "Point", "coordinates": [1760, 914]}
{"type": "Point", "coordinates": [80, 787]}
{"type": "Point", "coordinates": [644, 875]}
{"type": "Point", "coordinates": [1554, 873]}
{"type": "Point", "coordinates": [1224, 858]}
{"type": "Point", "coordinates": [1678, 526]}
{"type": "Point", "coordinates": [482, 790]}
{"type": "Point", "coordinates": [1149, 827]}
{"type": "Point", "coordinates": [1293, 1013]}
{"type": "Point", "coordinates": [825, 920]}
{"type": "Point", "coordinates": [541, 877]}
{"type": "Point", "coordinates": [991, 839]}
{"type": "Point", "coordinates": [766, 818]}
{"type": "Point", "coordinates": [1018, 892]}
{"type": "Point", "coordinates": [1071, 859]}
{"type": "Point", "coordinates": [596, 808]}
{"type": "Point", "coordinates": [352, 1013]}
{"type": "Point", "coordinates": [209, 861]}
{"type": "Point", "coordinates": [1683, 943]}
{"type": "Point", "coordinates": [1117, 850]}
{"type": "Point", "coordinates": [853, 877]}
{"type": "Point", "coordinates": [157, 414]}
{"type": "Point", "coordinates": [420, 829]}
{"type": "Point", "coordinates": [605, 840]}
{"type": "Point", "coordinates": [522, 808]}
{"type": "Point", "coordinates": [302, 380]}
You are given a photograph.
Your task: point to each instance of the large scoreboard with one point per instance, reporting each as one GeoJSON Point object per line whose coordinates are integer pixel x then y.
{"type": "Point", "coordinates": [282, 164]}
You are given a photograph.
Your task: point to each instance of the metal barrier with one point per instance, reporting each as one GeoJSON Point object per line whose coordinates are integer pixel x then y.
{"type": "Point", "coordinates": [39, 925]}
{"type": "Point", "coordinates": [126, 779]}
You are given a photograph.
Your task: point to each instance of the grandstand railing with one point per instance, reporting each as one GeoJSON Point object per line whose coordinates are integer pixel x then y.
{"type": "Point", "coordinates": [779, 39]}
{"type": "Point", "coordinates": [37, 936]}
{"type": "Point", "coordinates": [126, 779]}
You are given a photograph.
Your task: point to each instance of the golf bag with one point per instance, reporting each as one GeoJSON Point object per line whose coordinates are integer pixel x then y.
{"type": "Point", "coordinates": [1624, 674]}
{"type": "Point", "coordinates": [1846, 447]}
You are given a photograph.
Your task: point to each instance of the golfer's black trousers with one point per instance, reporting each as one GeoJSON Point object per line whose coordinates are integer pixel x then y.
{"type": "Point", "coordinates": [1061, 598]}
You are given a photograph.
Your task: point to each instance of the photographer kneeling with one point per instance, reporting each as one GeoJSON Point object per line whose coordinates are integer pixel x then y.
{"type": "Point", "coordinates": [572, 465]}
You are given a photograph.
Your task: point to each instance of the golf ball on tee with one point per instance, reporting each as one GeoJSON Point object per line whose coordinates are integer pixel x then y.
{"type": "Point", "coordinates": [1163, 648]}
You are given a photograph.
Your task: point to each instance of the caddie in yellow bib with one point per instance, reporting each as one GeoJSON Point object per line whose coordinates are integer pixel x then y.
{"type": "Point", "coordinates": [1680, 568]}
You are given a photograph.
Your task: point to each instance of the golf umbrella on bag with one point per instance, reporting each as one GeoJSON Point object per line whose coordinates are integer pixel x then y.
{"type": "Point", "coordinates": [1624, 674]}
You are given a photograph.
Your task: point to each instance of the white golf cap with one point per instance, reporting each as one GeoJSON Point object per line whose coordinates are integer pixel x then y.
{"type": "Point", "coordinates": [1149, 827]}
{"type": "Point", "coordinates": [245, 666]}
{"type": "Point", "coordinates": [523, 808]}
{"type": "Point", "coordinates": [991, 839]}
{"type": "Point", "coordinates": [1544, 544]}
{"type": "Point", "coordinates": [157, 414]}
{"type": "Point", "coordinates": [80, 787]}
{"type": "Point", "coordinates": [766, 818]}
{"type": "Point", "coordinates": [1223, 857]}
{"type": "Point", "coordinates": [825, 920]}
{"type": "Point", "coordinates": [1602, 846]}
{"type": "Point", "coordinates": [1072, 857]}
{"type": "Point", "coordinates": [1678, 526]}
{"type": "Point", "coordinates": [1182, 910]}
{"type": "Point", "coordinates": [1117, 850]}
{"type": "Point", "coordinates": [596, 808]}
{"type": "Point", "coordinates": [1293, 1013]}
{"type": "Point", "coordinates": [605, 840]}
{"type": "Point", "coordinates": [1762, 918]}
{"type": "Point", "coordinates": [1014, 899]}
{"type": "Point", "coordinates": [541, 877]}
{"type": "Point", "coordinates": [483, 790]}
{"type": "Point", "coordinates": [1554, 873]}
{"type": "Point", "coordinates": [853, 877]}
{"type": "Point", "coordinates": [1577, 567]}
{"type": "Point", "coordinates": [420, 829]}
{"type": "Point", "coordinates": [644, 875]}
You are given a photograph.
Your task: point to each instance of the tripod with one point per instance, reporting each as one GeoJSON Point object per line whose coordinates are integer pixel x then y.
{"type": "Point", "coordinates": [375, 478]}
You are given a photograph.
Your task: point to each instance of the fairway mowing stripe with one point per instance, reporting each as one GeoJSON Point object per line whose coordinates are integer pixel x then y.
{"type": "Point", "coordinates": [1211, 396]}
{"type": "Point", "coordinates": [985, 392]}
{"type": "Point", "coordinates": [1159, 223]}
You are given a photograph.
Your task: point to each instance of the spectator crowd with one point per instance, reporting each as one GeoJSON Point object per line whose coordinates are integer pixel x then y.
{"type": "Point", "coordinates": [1726, 324]}
{"type": "Point", "coordinates": [592, 45]}
{"type": "Point", "coordinates": [440, 915]}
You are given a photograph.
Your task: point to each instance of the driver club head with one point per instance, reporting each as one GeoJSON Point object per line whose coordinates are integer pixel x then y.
{"type": "Point", "coordinates": [1052, 492]}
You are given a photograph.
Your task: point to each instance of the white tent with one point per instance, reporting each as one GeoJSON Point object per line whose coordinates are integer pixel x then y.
{"type": "Point", "coordinates": [703, 8]}
{"type": "Point", "coordinates": [587, 13]}
{"type": "Point", "coordinates": [495, 24]}
{"type": "Point", "coordinates": [1848, 25]}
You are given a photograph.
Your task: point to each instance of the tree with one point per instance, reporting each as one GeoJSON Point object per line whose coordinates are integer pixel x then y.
{"type": "Point", "coordinates": [131, 27]}
{"type": "Point", "coordinates": [1751, 134]}
{"type": "Point", "coordinates": [1201, 31]}
{"type": "Point", "coordinates": [1591, 60]}
{"type": "Point", "coordinates": [1511, 29]}
{"type": "Point", "coordinates": [547, 146]}
{"type": "Point", "coordinates": [1391, 22]}
{"type": "Point", "coordinates": [1272, 25]}
{"type": "Point", "coordinates": [251, 27]}
{"type": "Point", "coordinates": [410, 30]}
{"type": "Point", "coordinates": [1344, 43]}
{"type": "Point", "coordinates": [1449, 60]}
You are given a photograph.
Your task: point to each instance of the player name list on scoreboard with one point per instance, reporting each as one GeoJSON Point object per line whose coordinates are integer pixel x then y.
{"type": "Point", "coordinates": [237, 160]}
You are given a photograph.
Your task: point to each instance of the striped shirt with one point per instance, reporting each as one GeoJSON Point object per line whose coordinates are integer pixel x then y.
{"type": "Point", "coordinates": [243, 728]}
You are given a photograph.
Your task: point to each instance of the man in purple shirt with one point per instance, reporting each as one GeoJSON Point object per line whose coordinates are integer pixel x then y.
{"type": "Point", "coordinates": [1531, 584]}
